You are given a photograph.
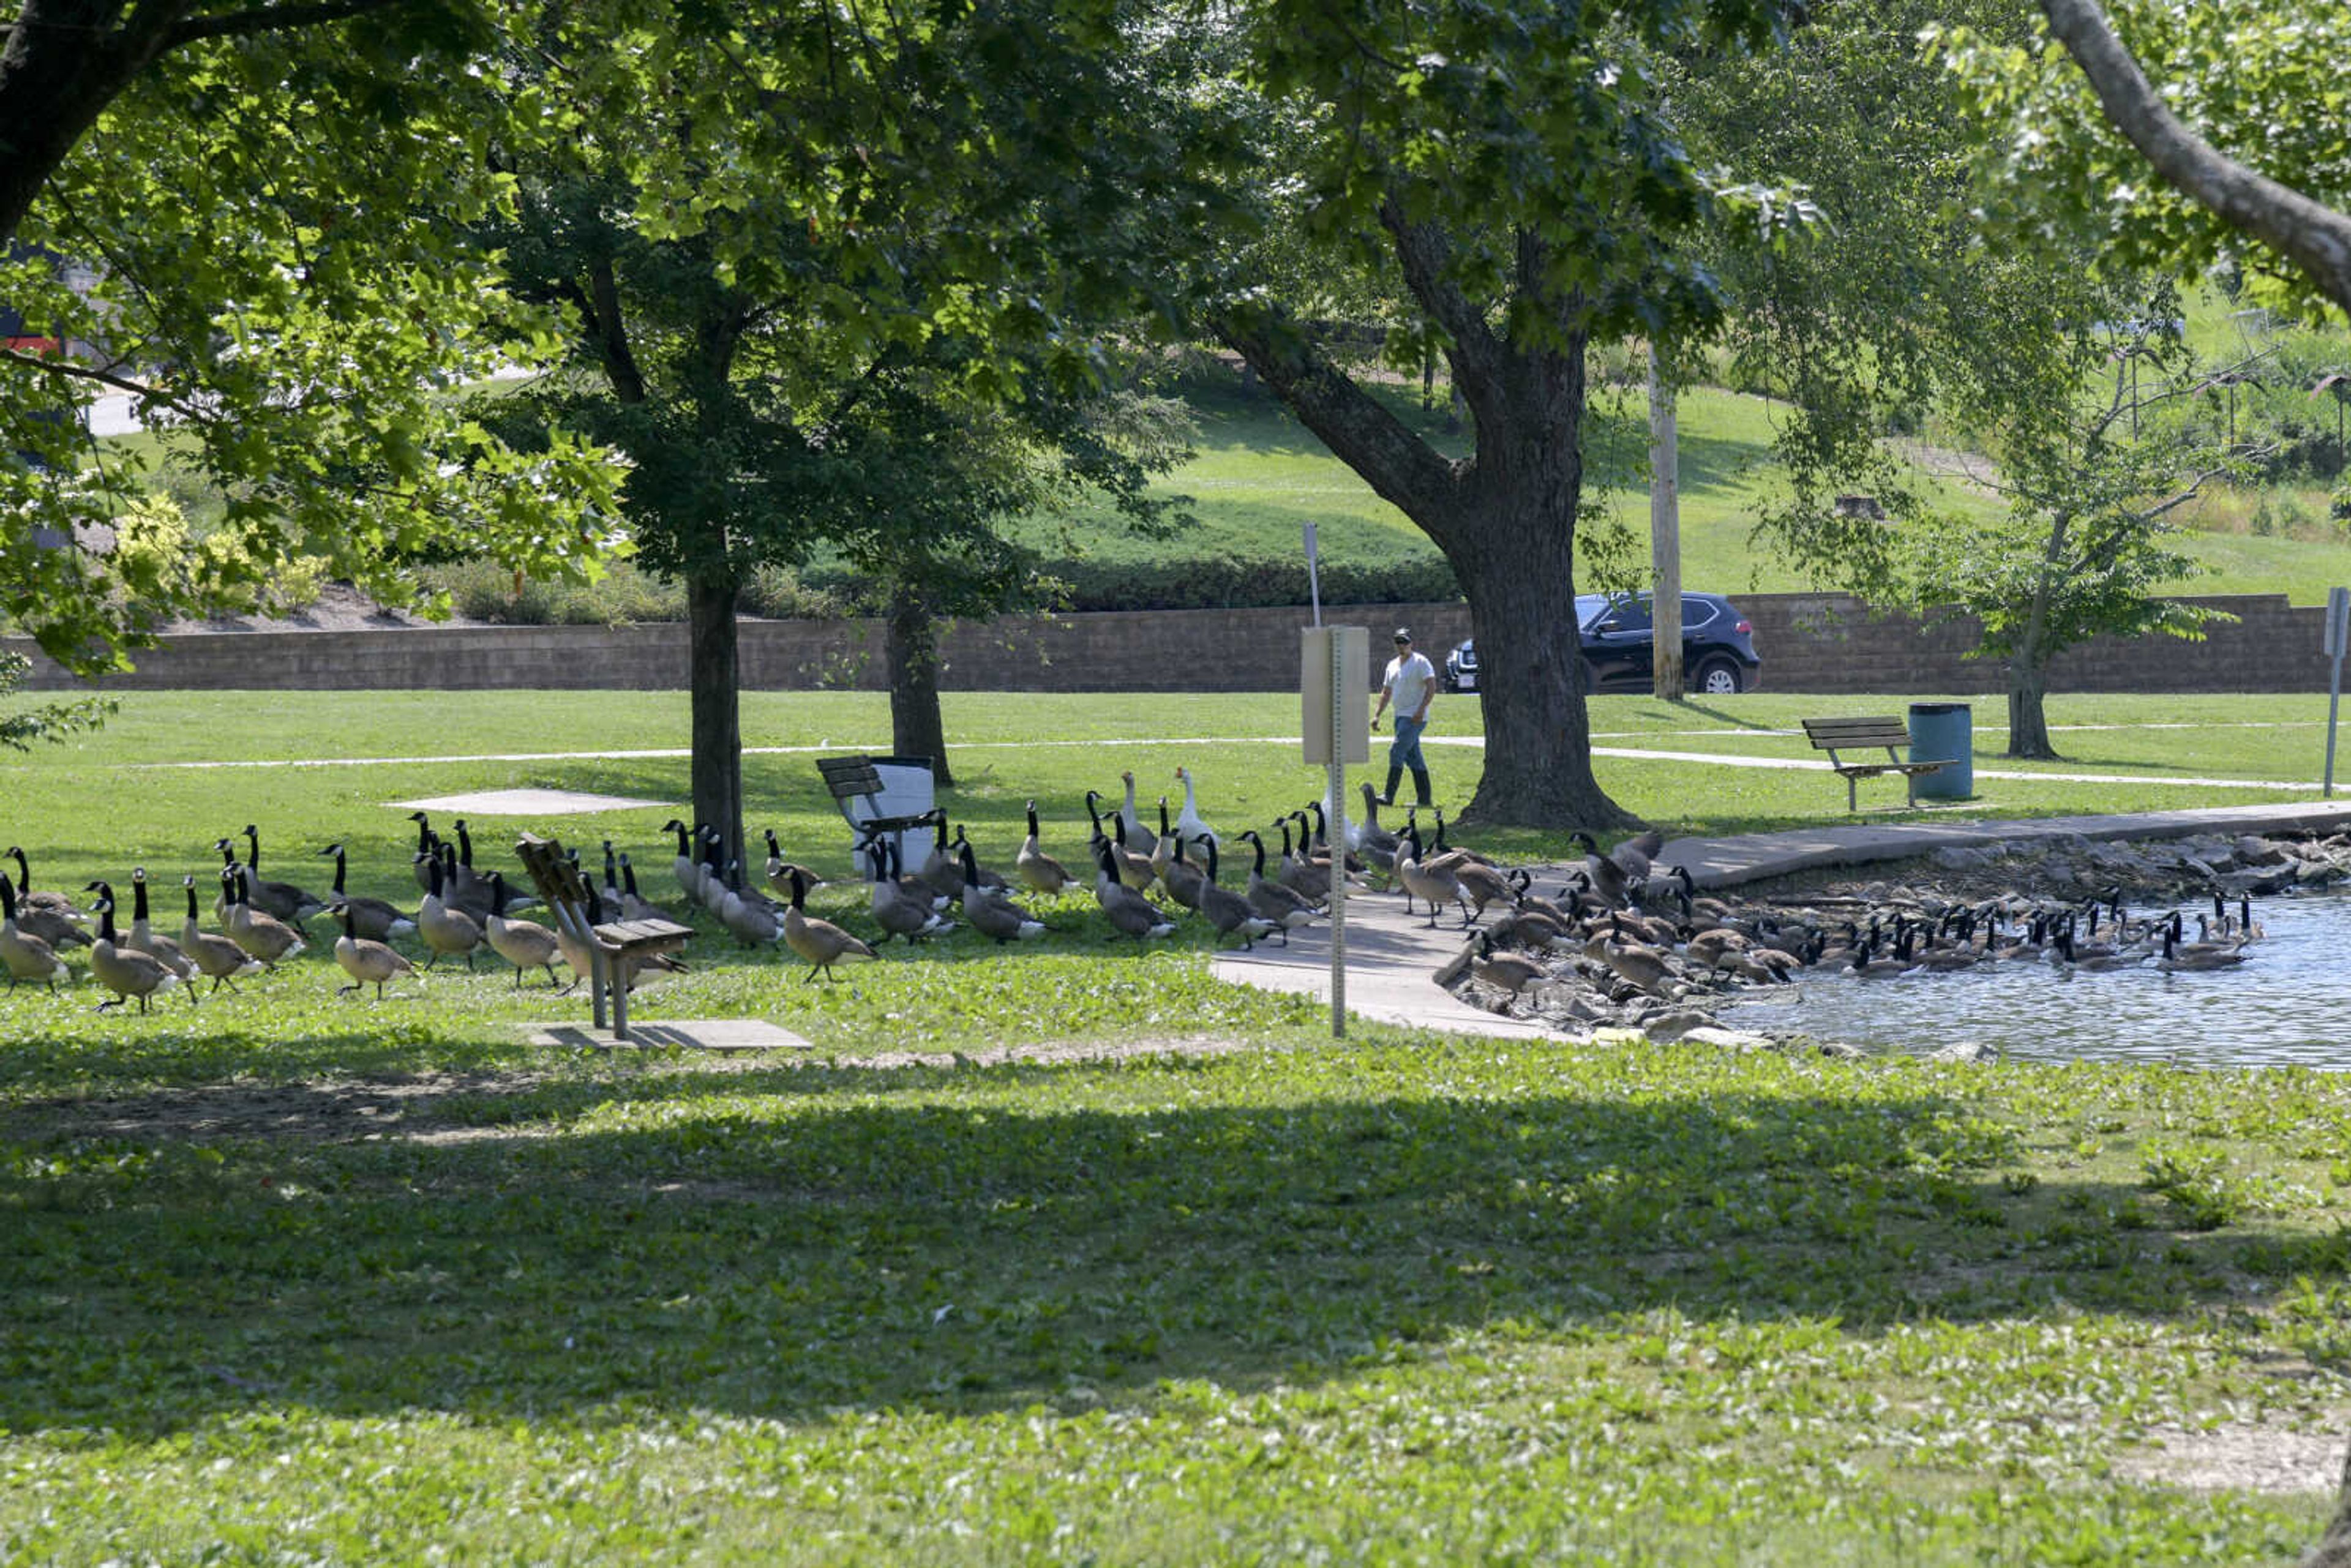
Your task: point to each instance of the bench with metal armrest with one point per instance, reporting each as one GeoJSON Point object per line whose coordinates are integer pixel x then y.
{"type": "Point", "coordinates": [1838, 734]}
{"type": "Point", "coordinates": [615, 948]}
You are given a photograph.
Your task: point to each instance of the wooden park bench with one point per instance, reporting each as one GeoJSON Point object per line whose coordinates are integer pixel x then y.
{"type": "Point", "coordinates": [613, 948]}
{"type": "Point", "coordinates": [1835, 735]}
{"type": "Point", "coordinates": [854, 780]}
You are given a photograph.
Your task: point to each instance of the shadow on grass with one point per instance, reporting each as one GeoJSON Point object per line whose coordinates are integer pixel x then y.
{"type": "Point", "coordinates": [784, 1244]}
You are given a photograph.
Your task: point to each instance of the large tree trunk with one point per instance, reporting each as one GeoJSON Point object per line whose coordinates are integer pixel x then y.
{"type": "Point", "coordinates": [2028, 725]}
{"type": "Point", "coordinates": [715, 680]}
{"type": "Point", "coordinates": [1667, 675]}
{"type": "Point", "coordinates": [915, 728]}
{"type": "Point", "coordinates": [1505, 517]}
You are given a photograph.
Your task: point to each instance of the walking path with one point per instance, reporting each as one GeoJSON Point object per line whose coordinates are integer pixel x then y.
{"type": "Point", "coordinates": [1391, 958]}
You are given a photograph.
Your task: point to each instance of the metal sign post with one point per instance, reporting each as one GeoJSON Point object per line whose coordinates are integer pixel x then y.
{"type": "Point", "coordinates": [1334, 677]}
{"type": "Point", "coordinates": [2338, 633]}
{"type": "Point", "coordinates": [1313, 576]}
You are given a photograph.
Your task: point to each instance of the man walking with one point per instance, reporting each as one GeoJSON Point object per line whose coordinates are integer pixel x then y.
{"type": "Point", "coordinates": [1410, 683]}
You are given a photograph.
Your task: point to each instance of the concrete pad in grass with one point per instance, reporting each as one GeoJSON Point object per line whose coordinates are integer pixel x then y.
{"type": "Point", "coordinates": [528, 803]}
{"type": "Point", "coordinates": [673, 1034]}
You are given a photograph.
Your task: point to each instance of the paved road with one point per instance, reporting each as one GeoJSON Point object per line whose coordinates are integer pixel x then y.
{"type": "Point", "coordinates": [1390, 959]}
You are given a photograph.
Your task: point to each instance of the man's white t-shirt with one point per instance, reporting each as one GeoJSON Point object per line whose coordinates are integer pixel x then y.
{"type": "Point", "coordinates": [1407, 681]}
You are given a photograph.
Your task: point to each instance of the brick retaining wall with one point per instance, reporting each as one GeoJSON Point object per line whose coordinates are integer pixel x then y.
{"type": "Point", "coordinates": [1810, 642]}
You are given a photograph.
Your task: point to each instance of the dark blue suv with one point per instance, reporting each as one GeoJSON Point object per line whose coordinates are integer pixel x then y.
{"type": "Point", "coordinates": [1719, 656]}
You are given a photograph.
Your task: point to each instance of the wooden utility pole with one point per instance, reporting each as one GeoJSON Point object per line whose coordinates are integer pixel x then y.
{"type": "Point", "coordinates": [1665, 535]}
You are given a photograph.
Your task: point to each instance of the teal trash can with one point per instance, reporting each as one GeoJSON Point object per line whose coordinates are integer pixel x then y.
{"type": "Point", "coordinates": [1944, 732]}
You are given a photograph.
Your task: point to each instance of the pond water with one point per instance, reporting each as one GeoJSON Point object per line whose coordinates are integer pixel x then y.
{"type": "Point", "coordinates": [2288, 1003]}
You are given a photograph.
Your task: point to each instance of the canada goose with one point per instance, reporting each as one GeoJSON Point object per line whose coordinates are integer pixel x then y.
{"type": "Point", "coordinates": [1512, 972]}
{"type": "Point", "coordinates": [1480, 880]}
{"type": "Point", "coordinates": [143, 938]}
{"type": "Point", "coordinates": [368, 961]}
{"type": "Point", "coordinates": [1297, 872]}
{"type": "Point", "coordinates": [987, 876]}
{"type": "Point", "coordinates": [281, 899]}
{"type": "Point", "coordinates": [1226, 910]}
{"type": "Point", "coordinates": [264, 936]}
{"type": "Point", "coordinates": [1649, 967]}
{"type": "Point", "coordinates": [1607, 877]}
{"type": "Point", "coordinates": [821, 942]}
{"type": "Point", "coordinates": [1131, 830]}
{"type": "Point", "coordinates": [29, 900]}
{"type": "Point", "coordinates": [1164, 849]}
{"type": "Point", "coordinates": [1133, 868]}
{"type": "Point", "coordinates": [1634, 856]}
{"type": "Point", "coordinates": [525, 944]}
{"type": "Point", "coordinates": [1130, 913]}
{"type": "Point", "coordinates": [688, 864]}
{"type": "Point", "coordinates": [428, 846]}
{"type": "Point", "coordinates": [1375, 844]}
{"type": "Point", "coordinates": [1712, 908]}
{"type": "Point", "coordinates": [373, 919]}
{"type": "Point", "coordinates": [1529, 928]}
{"type": "Point", "coordinates": [1437, 885]}
{"type": "Point", "coordinates": [2176, 959]}
{"type": "Point", "coordinates": [218, 957]}
{"type": "Point", "coordinates": [1439, 848]}
{"type": "Point", "coordinates": [752, 917]}
{"type": "Point", "coordinates": [1183, 881]}
{"type": "Point", "coordinates": [1318, 849]}
{"type": "Point", "coordinates": [49, 917]}
{"type": "Point", "coordinates": [897, 911]}
{"type": "Point", "coordinates": [1039, 871]}
{"type": "Point", "coordinates": [474, 900]}
{"type": "Point", "coordinates": [446, 931]}
{"type": "Point", "coordinates": [778, 871]}
{"type": "Point", "coordinates": [27, 957]}
{"type": "Point", "coordinates": [1277, 901]}
{"type": "Point", "coordinates": [125, 971]}
{"type": "Point", "coordinates": [939, 868]}
{"type": "Point", "coordinates": [991, 913]}
{"type": "Point", "coordinates": [635, 905]}
{"type": "Point", "coordinates": [714, 871]}
{"type": "Point", "coordinates": [1188, 822]}
{"type": "Point", "coordinates": [610, 890]}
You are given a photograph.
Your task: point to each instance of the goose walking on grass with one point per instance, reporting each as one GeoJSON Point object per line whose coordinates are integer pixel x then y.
{"type": "Point", "coordinates": [50, 916]}
{"type": "Point", "coordinates": [1284, 906]}
{"type": "Point", "coordinates": [1039, 871]}
{"type": "Point", "coordinates": [898, 910]}
{"type": "Point", "coordinates": [1230, 912]}
{"type": "Point", "coordinates": [688, 863]}
{"type": "Point", "coordinates": [1130, 913]}
{"type": "Point", "coordinates": [821, 942]}
{"type": "Point", "coordinates": [449, 933]}
{"type": "Point", "coordinates": [1184, 882]}
{"type": "Point", "coordinates": [633, 904]}
{"type": "Point", "coordinates": [281, 900]}
{"type": "Point", "coordinates": [125, 971]}
{"type": "Point", "coordinates": [373, 918]}
{"type": "Point", "coordinates": [213, 955]}
{"type": "Point", "coordinates": [146, 939]}
{"type": "Point", "coordinates": [778, 871]}
{"type": "Point", "coordinates": [1133, 868]}
{"type": "Point", "coordinates": [25, 956]}
{"type": "Point", "coordinates": [525, 944]}
{"type": "Point", "coordinates": [370, 962]}
{"type": "Point", "coordinates": [748, 915]}
{"type": "Point", "coordinates": [940, 869]}
{"type": "Point", "coordinates": [264, 936]}
{"type": "Point", "coordinates": [991, 911]}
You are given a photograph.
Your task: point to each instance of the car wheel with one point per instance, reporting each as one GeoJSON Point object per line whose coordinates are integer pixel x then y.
{"type": "Point", "coordinates": [1717, 677]}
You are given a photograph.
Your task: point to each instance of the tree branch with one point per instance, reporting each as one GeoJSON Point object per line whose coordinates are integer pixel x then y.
{"type": "Point", "coordinates": [1359, 431]}
{"type": "Point", "coordinates": [270, 19]}
{"type": "Point", "coordinates": [2314, 237]}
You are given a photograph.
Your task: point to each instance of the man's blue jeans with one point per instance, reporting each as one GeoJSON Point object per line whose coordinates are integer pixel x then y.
{"type": "Point", "coordinates": [1405, 750]}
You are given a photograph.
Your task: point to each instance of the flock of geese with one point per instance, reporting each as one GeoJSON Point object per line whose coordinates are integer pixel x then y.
{"type": "Point", "coordinates": [1599, 926]}
{"type": "Point", "coordinates": [1145, 883]}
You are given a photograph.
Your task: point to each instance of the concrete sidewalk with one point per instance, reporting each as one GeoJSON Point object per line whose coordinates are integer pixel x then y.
{"type": "Point", "coordinates": [1392, 959]}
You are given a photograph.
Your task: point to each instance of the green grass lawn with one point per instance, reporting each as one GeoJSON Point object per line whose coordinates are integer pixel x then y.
{"type": "Point", "coordinates": [290, 1278]}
